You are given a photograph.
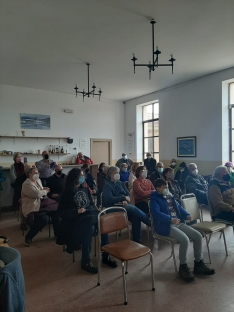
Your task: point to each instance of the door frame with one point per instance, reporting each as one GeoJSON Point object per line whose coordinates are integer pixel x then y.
{"type": "Point", "coordinates": [101, 140]}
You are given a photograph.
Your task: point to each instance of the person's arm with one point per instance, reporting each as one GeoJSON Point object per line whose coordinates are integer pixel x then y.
{"type": "Point", "coordinates": [130, 180]}
{"type": "Point", "coordinates": [137, 189]}
{"type": "Point", "coordinates": [118, 163]}
{"type": "Point", "coordinates": [182, 211]}
{"type": "Point", "coordinates": [126, 191]}
{"type": "Point", "coordinates": [32, 192]}
{"type": "Point", "coordinates": [156, 213]}
{"type": "Point", "coordinates": [12, 173]}
{"type": "Point", "coordinates": [67, 207]}
{"type": "Point", "coordinates": [109, 198]}
{"type": "Point", "coordinates": [216, 199]}
{"type": "Point", "coordinates": [191, 187]}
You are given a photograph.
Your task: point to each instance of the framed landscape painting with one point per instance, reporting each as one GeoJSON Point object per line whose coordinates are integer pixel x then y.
{"type": "Point", "coordinates": [186, 147]}
{"type": "Point", "coordinates": [33, 121]}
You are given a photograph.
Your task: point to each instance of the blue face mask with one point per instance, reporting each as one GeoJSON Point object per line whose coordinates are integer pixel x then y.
{"type": "Point", "coordinates": [81, 180]}
{"type": "Point", "coordinates": [124, 169]}
{"type": "Point", "coordinates": [125, 157]}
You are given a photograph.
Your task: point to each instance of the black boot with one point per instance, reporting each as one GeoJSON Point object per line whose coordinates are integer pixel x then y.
{"type": "Point", "coordinates": [109, 261]}
{"type": "Point", "coordinates": [89, 267]}
{"type": "Point", "coordinates": [185, 273]}
{"type": "Point", "coordinates": [201, 268]}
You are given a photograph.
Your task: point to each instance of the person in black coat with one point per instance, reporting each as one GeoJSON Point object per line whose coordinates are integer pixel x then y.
{"type": "Point", "coordinates": [181, 175]}
{"type": "Point", "coordinates": [56, 183]}
{"type": "Point", "coordinates": [150, 163]}
{"type": "Point", "coordinates": [79, 217]}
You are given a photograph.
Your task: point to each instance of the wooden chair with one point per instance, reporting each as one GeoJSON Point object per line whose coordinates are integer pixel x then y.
{"type": "Point", "coordinates": [124, 250]}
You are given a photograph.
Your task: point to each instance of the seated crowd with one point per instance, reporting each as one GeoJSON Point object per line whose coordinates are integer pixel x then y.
{"type": "Point", "coordinates": [47, 193]}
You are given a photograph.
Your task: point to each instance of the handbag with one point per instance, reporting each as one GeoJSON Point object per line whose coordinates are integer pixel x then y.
{"type": "Point", "coordinates": [48, 204]}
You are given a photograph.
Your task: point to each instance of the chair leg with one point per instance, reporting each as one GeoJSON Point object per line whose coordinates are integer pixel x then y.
{"type": "Point", "coordinates": [148, 229]}
{"type": "Point", "coordinates": [126, 269]}
{"type": "Point", "coordinates": [73, 256]}
{"type": "Point", "coordinates": [207, 244]}
{"type": "Point", "coordinates": [99, 264]}
{"type": "Point", "coordinates": [174, 259]}
{"type": "Point", "coordinates": [220, 234]}
{"type": "Point", "coordinates": [201, 213]}
{"type": "Point", "coordinates": [152, 271]}
{"type": "Point", "coordinates": [209, 238]}
{"type": "Point", "coordinates": [124, 284]}
{"type": "Point", "coordinates": [224, 239]}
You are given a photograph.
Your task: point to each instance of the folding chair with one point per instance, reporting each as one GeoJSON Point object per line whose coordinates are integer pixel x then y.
{"type": "Point", "coordinates": [124, 250]}
{"type": "Point", "coordinates": [204, 227]}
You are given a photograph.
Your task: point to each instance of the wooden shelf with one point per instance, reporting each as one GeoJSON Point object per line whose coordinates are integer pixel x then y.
{"type": "Point", "coordinates": [30, 154]}
{"type": "Point", "coordinates": [30, 137]}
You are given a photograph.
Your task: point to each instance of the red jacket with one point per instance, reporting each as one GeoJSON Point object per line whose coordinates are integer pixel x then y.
{"type": "Point", "coordinates": [142, 190]}
{"type": "Point", "coordinates": [86, 160]}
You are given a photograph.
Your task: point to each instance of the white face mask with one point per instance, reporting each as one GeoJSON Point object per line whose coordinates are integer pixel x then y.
{"type": "Point", "coordinates": [166, 192]}
{"type": "Point", "coordinates": [116, 177]}
{"type": "Point", "coordinates": [229, 169]}
{"type": "Point", "coordinates": [173, 163]}
{"type": "Point", "coordinates": [160, 170]}
{"type": "Point", "coordinates": [148, 157]}
{"type": "Point", "coordinates": [182, 170]}
{"type": "Point", "coordinates": [195, 172]}
{"type": "Point", "coordinates": [35, 176]}
{"type": "Point", "coordinates": [144, 174]}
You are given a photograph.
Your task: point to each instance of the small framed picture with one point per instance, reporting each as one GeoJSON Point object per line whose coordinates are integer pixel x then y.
{"type": "Point", "coordinates": [186, 147]}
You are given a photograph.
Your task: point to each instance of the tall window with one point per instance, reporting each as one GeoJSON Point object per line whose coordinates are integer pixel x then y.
{"type": "Point", "coordinates": [151, 130]}
{"type": "Point", "coordinates": [231, 119]}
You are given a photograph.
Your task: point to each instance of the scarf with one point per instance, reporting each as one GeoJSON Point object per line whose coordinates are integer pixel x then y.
{"type": "Point", "coordinates": [19, 169]}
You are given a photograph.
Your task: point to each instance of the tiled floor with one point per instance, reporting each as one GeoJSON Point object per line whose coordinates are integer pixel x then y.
{"type": "Point", "coordinates": [55, 284]}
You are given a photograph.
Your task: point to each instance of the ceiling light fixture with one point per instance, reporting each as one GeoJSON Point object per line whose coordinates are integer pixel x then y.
{"type": "Point", "coordinates": [88, 93]}
{"type": "Point", "coordinates": [155, 56]}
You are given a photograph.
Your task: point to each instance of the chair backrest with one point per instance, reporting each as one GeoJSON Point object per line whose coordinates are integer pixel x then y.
{"type": "Point", "coordinates": [190, 204]}
{"type": "Point", "coordinates": [114, 219]}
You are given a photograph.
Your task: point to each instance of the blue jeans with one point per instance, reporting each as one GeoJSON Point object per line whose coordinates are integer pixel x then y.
{"type": "Point", "coordinates": [86, 243]}
{"type": "Point", "coordinates": [136, 216]}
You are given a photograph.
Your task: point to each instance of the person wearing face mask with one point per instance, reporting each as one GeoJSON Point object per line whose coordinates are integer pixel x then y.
{"type": "Point", "coordinates": [181, 175]}
{"type": "Point", "coordinates": [101, 183]}
{"type": "Point", "coordinates": [169, 220]}
{"type": "Point", "coordinates": [174, 165]}
{"type": "Point", "coordinates": [124, 160]}
{"type": "Point", "coordinates": [150, 163]}
{"type": "Point", "coordinates": [33, 195]}
{"type": "Point", "coordinates": [196, 184]}
{"type": "Point", "coordinates": [100, 170]}
{"type": "Point", "coordinates": [229, 166]}
{"type": "Point", "coordinates": [79, 217]}
{"type": "Point", "coordinates": [157, 174]}
{"type": "Point", "coordinates": [173, 185]}
{"type": "Point", "coordinates": [115, 193]}
{"type": "Point", "coordinates": [45, 167]}
{"type": "Point", "coordinates": [89, 179]}
{"type": "Point", "coordinates": [82, 159]}
{"type": "Point", "coordinates": [221, 195]}
{"type": "Point", "coordinates": [124, 173]}
{"type": "Point", "coordinates": [56, 183]}
{"type": "Point", "coordinates": [142, 189]}
{"type": "Point", "coordinates": [17, 169]}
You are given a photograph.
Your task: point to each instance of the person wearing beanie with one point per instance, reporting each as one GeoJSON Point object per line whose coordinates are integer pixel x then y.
{"type": "Point", "coordinates": [229, 166]}
{"type": "Point", "coordinates": [181, 175]}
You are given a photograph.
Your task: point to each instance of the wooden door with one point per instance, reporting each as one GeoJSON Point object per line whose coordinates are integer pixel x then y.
{"type": "Point", "coordinates": [101, 151]}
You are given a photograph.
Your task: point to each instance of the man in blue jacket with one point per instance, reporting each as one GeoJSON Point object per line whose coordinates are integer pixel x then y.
{"type": "Point", "coordinates": [169, 217]}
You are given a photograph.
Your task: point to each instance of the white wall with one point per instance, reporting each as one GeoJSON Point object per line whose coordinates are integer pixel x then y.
{"type": "Point", "coordinates": [192, 109]}
{"type": "Point", "coordinates": [91, 119]}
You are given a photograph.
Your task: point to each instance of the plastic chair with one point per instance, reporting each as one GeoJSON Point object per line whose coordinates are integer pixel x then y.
{"type": "Point", "coordinates": [204, 227]}
{"type": "Point", "coordinates": [124, 250]}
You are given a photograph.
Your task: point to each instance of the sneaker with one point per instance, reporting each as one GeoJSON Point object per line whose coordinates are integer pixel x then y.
{"type": "Point", "coordinates": [89, 267]}
{"type": "Point", "coordinates": [201, 268]}
{"type": "Point", "coordinates": [27, 242]}
{"type": "Point", "coordinates": [109, 261]}
{"type": "Point", "coordinates": [186, 274]}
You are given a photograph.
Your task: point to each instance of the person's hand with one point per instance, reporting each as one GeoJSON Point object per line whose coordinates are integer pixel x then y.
{"type": "Point", "coordinates": [81, 210]}
{"type": "Point", "coordinates": [54, 195]}
{"type": "Point", "coordinates": [190, 218]}
{"type": "Point", "coordinates": [93, 191]}
{"type": "Point", "coordinates": [127, 198]}
{"type": "Point", "coordinates": [175, 221]}
{"type": "Point", "coordinates": [124, 203]}
{"type": "Point", "coordinates": [46, 189]}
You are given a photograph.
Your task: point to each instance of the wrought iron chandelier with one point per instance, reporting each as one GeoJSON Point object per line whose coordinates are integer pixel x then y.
{"type": "Point", "coordinates": [89, 93]}
{"type": "Point", "coordinates": [155, 56]}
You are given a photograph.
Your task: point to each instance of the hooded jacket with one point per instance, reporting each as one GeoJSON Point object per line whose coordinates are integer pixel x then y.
{"type": "Point", "coordinates": [161, 214]}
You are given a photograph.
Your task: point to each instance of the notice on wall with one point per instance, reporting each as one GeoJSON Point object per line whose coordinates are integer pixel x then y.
{"type": "Point", "coordinates": [83, 143]}
{"type": "Point", "coordinates": [131, 145]}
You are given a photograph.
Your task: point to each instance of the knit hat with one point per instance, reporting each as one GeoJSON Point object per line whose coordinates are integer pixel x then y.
{"type": "Point", "coordinates": [228, 164]}
{"type": "Point", "coordinates": [182, 165]}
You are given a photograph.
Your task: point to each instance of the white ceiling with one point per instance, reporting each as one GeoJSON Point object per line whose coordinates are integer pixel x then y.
{"type": "Point", "coordinates": [46, 43]}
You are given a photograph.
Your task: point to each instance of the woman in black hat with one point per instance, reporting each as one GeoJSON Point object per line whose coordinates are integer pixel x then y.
{"type": "Point", "coordinates": [181, 175]}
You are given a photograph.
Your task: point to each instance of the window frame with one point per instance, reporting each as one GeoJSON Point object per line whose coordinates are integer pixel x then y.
{"type": "Point", "coordinates": [231, 122]}
{"type": "Point", "coordinates": [153, 136]}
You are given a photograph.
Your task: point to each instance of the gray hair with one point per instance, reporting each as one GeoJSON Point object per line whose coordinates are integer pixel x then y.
{"type": "Point", "coordinates": [218, 170]}
{"type": "Point", "coordinates": [111, 170]}
{"type": "Point", "coordinates": [159, 162]}
{"type": "Point", "coordinates": [191, 165]}
{"type": "Point", "coordinates": [29, 171]}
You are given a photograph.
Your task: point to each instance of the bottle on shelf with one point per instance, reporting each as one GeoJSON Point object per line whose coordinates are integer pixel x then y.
{"type": "Point", "coordinates": [62, 151]}
{"type": "Point", "coordinates": [50, 150]}
{"type": "Point", "coordinates": [57, 149]}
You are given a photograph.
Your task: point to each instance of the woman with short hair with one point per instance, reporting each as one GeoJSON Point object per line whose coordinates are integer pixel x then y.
{"type": "Point", "coordinates": [17, 169]}
{"type": "Point", "coordinates": [142, 189]}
